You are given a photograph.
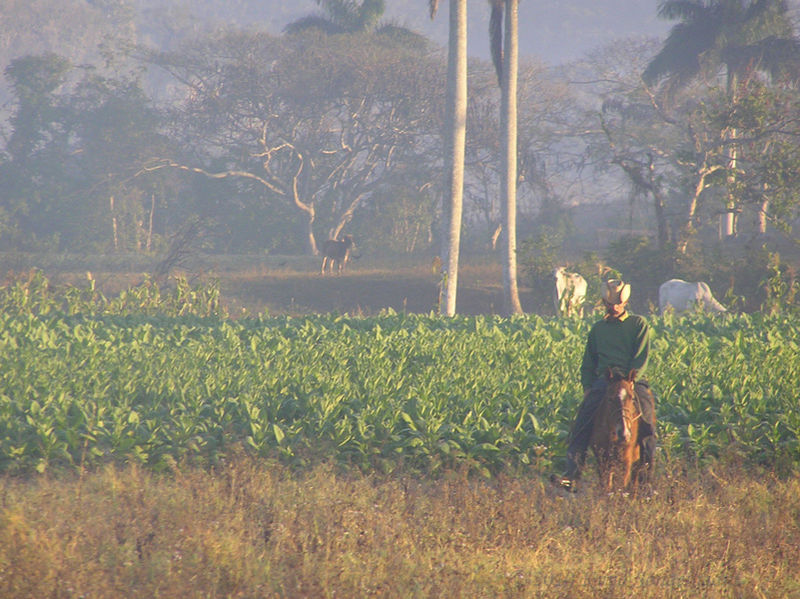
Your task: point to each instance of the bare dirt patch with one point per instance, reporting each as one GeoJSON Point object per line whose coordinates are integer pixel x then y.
{"type": "Point", "coordinates": [364, 291]}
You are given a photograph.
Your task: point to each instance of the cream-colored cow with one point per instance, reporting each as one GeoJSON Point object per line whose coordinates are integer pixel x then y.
{"type": "Point", "coordinates": [570, 292]}
{"type": "Point", "coordinates": [681, 296]}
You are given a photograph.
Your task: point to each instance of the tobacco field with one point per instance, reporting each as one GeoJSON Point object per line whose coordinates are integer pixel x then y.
{"type": "Point", "coordinates": [158, 380]}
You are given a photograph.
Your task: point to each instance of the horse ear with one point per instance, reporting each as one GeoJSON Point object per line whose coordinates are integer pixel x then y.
{"type": "Point", "coordinates": [632, 375]}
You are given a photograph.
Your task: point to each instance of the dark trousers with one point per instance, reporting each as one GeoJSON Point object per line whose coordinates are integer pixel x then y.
{"type": "Point", "coordinates": [582, 428]}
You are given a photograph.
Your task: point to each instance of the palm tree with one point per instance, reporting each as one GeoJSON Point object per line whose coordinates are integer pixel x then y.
{"type": "Point", "coordinates": [351, 16]}
{"type": "Point", "coordinates": [342, 16]}
{"type": "Point", "coordinates": [734, 38]}
{"type": "Point", "coordinates": [455, 135]}
{"type": "Point", "coordinates": [506, 62]}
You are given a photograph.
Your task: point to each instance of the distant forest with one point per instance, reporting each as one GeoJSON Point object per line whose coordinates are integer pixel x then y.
{"type": "Point", "coordinates": [130, 127]}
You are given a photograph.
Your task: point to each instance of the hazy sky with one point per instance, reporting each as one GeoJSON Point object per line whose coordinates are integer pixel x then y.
{"type": "Point", "coordinates": [555, 31]}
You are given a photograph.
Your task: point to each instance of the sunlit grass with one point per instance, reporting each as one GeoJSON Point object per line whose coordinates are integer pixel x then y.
{"type": "Point", "coordinates": [92, 526]}
{"type": "Point", "coordinates": [254, 529]}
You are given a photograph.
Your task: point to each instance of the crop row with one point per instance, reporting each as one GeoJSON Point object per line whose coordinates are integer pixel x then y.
{"type": "Point", "coordinates": [424, 392]}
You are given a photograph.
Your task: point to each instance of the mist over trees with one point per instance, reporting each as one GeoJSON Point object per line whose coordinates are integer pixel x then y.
{"type": "Point", "coordinates": [113, 140]}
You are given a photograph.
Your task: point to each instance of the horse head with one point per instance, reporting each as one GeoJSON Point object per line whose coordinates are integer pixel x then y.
{"type": "Point", "coordinates": [622, 395]}
{"type": "Point", "coordinates": [614, 374]}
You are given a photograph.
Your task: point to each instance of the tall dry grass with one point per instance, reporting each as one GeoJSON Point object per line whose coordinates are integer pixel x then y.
{"type": "Point", "coordinates": [251, 529]}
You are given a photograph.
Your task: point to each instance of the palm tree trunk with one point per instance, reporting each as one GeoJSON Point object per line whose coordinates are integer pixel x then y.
{"type": "Point", "coordinates": [728, 224]}
{"type": "Point", "coordinates": [728, 218]}
{"type": "Point", "coordinates": [454, 146]}
{"type": "Point", "coordinates": [508, 181]}
{"type": "Point", "coordinates": [763, 209]}
{"type": "Point", "coordinates": [761, 221]}
{"type": "Point", "coordinates": [114, 224]}
{"type": "Point", "coordinates": [149, 244]}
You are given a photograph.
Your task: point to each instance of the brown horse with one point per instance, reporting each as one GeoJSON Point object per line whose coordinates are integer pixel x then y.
{"type": "Point", "coordinates": [336, 252]}
{"type": "Point", "coordinates": [615, 434]}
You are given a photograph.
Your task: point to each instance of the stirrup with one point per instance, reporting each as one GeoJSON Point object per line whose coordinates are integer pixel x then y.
{"type": "Point", "coordinates": [564, 483]}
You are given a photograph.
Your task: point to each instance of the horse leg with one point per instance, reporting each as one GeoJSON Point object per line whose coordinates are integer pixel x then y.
{"type": "Point", "coordinates": [632, 458]}
{"type": "Point", "coordinates": [637, 461]}
{"type": "Point", "coordinates": [609, 480]}
{"type": "Point", "coordinates": [626, 478]}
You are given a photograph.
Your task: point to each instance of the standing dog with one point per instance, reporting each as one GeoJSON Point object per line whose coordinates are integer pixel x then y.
{"type": "Point", "coordinates": [336, 251]}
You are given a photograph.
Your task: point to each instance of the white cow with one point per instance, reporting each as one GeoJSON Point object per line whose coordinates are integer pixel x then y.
{"type": "Point", "coordinates": [682, 296]}
{"type": "Point", "coordinates": [570, 292]}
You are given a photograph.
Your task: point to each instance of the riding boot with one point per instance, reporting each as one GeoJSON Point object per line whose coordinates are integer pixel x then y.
{"type": "Point", "coordinates": [649, 450]}
{"type": "Point", "coordinates": [569, 479]}
{"type": "Point", "coordinates": [579, 438]}
{"type": "Point", "coordinates": [575, 460]}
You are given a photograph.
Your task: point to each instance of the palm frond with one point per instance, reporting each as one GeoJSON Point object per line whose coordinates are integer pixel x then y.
{"type": "Point", "coordinates": [403, 35]}
{"type": "Point", "coordinates": [317, 22]}
{"type": "Point", "coordinates": [369, 14]}
{"type": "Point", "coordinates": [340, 16]}
{"type": "Point", "coordinates": [764, 18]}
{"type": "Point", "coordinates": [680, 56]}
{"type": "Point", "coordinates": [777, 56]}
{"type": "Point", "coordinates": [684, 10]}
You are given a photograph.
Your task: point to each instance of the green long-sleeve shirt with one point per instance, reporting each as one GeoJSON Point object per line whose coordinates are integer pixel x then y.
{"type": "Point", "coordinates": [623, 344]}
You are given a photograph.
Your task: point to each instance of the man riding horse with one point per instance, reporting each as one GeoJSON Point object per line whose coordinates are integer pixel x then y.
{"type": "Point", "coordinates": [620, 342]}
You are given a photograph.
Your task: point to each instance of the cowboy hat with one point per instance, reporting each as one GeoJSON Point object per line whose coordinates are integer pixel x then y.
{"type": "Point", "coordinates": [616, 292]}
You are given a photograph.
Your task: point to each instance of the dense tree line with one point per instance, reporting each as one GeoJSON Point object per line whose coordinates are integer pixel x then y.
{"type": "Point", "coordinates": [279, 141]}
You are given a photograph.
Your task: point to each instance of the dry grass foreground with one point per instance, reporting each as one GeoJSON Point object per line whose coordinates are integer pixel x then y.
{"type": "Point", "coordinates": [251, 529]}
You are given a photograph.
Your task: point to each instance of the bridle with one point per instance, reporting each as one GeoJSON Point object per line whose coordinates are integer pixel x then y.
{"type": "Point", "coordinates": [620, 410]}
